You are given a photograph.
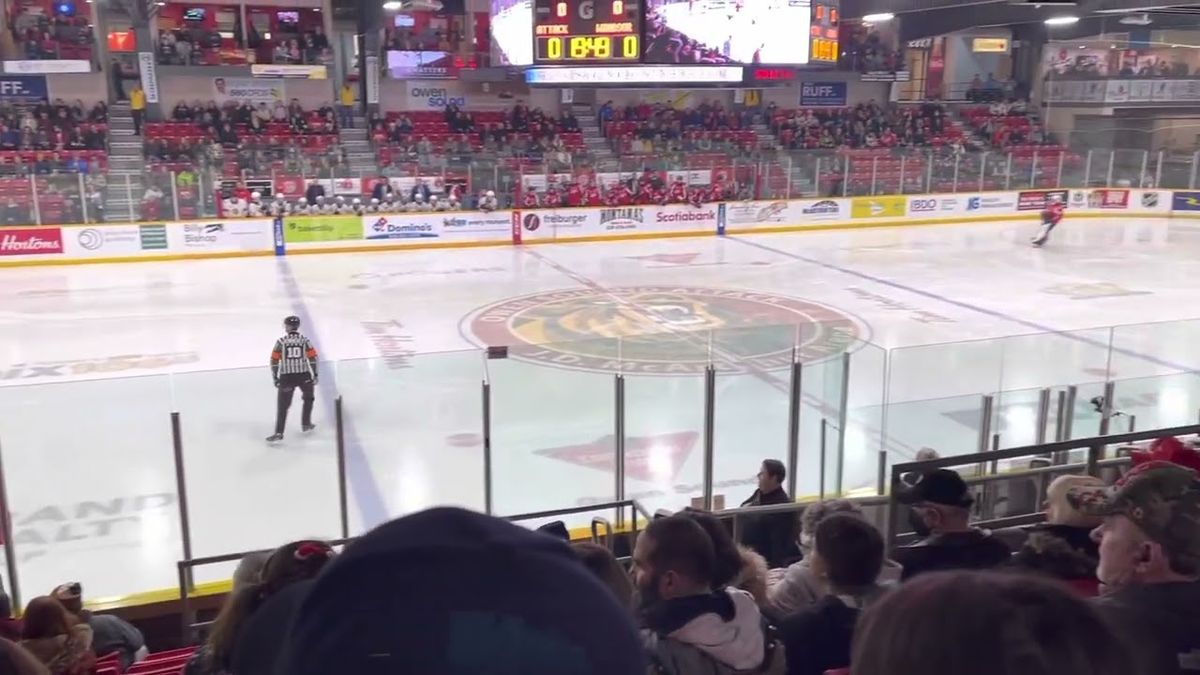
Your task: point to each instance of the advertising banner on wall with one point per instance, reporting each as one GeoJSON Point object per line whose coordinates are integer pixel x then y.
{"type": "Point", "coordinates": [1185, 201]}
{"type": "Point", "coordinates": [620, 220]}
{"type": "Point", "coordinates": [823, 94]}
{"type": "Point", "coordinates": [990, 204]}
{"type": "Point", "coordinates": [442, 225]}
{"type": "Point", "coordinates": [1036, 200]}
{"type": "Point", "coordinates": [934, 206]}
{"type": "Point", "coordinates": [221, 235]}
{"type": "Point", "coordinates": [247, 90]}
{"type": "Point", "coordinates": [23, 88]}
{"type": "Point", "coordinates": [1108, 198]}
{"type": "Point", "coordinates": [30, 241]}
{"type": "Point", "coordinates": [878, 207]}
{"type": "Point", "coordinates": [306, 229]}
{"type": "Point", "coordinates": [115, 240]}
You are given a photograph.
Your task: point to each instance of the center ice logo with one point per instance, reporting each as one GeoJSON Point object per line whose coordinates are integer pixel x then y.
{"type": "Point", "coordinates": [663, 330]}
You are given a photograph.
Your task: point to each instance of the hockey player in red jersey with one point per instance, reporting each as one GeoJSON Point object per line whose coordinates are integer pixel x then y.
{"type": "Point", "coordinates": [677, 194]}
{"type": "Point", "coordinates": [619, 195]}
{"type": "Point", "coordinates": [591, 195]}
{"type": "Point", "coordinates": [529, 199]}
{"type": "Point", "coordinates": [553, 197]}
{"type": "Point", "coordinates": [1051, 217]}
{"type": "Point", "coordinates": [716, 192]}
{"type": "Point", "coordinates": [574, 194]}
{"type": "Point", "coordinates": [646, 193]}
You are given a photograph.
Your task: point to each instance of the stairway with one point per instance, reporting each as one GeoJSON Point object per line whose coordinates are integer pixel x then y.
{"type": "Point", "coordinates": [603, 158]}
{"type": "Point", "coordinates": [360, 155]}
{"type": "Point", "coordinates": [126, 166]}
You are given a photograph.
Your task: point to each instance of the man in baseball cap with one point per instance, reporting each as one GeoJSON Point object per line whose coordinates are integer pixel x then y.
{"type": "Point", "coordinates": [941, 502]}
{"type": "Point", "coordinates": [1150, 562]}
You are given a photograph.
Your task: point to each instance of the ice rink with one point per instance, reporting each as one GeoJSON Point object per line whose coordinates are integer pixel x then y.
{"type": "Point", "coordinates": [94, 359]}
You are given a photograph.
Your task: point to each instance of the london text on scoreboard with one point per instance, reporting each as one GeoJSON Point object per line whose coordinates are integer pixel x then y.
{"type": "Point", "coordinates": [580, 31]}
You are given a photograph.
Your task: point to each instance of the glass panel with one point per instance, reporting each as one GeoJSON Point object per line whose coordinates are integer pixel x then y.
{"type": "Point", "coordinates": [820, 423]}
{"type": "Point", "coordinates": [664, 431]}
{"type": "Point", "coordinates": [414, 433]}
{"type": "Point", "coordinates": [16, 197]}
{"type": "Point", "coordinates": [552, 427]}
{"type": "Point", "coordinates": [753, 392]}
{"type": "Point", "coordinates": [59, 197]}
{"type": "Point", "coordinates": [1157, 371]}
{"type": "Point", "coordinates": [1131, 168]}
{"type": "Point", "coordinates": [935, 394]}
{"type": "Point", "coordinates": [232, 471]}
{"type": "Point", "coordinates": [72, 499]}
{"type": "Point", "coordinates": [864, 417]}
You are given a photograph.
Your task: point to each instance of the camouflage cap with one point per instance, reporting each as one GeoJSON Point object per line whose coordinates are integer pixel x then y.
{"type": "Point", "coordinates": [1161, 498]}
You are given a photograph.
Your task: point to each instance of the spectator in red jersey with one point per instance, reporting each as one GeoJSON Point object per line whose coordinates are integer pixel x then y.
{"type": "Point", "coordinates": [947, 624]}
{"type": "Point", "coordinates": [677, 193]}
{"type": "Point", "coordinates": [60, 641]}
{"type": "Point", "coordinates": [574, 194]}
{"type": "Point", "coordinates": [240, 640]}
{"type": "Point", "coordinates": [591, 195]}
{"type": "Point", "coordinates": [529, 198]}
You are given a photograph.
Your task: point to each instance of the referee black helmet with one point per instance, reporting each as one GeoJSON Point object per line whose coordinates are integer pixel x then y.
{"type": "Point", "coordinates": [292, 323]}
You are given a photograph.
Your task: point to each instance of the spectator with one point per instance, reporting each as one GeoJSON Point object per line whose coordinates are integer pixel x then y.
{"type": "Point", "coordinates": [773, 535]}
{"type": "Point", "coordinates": [109, 633]}
{"type": "Point", "coordinates": [601, 562]}
{"type": "Point", "coordinates": [736, 565]}
{"type": "Point", "coordinates": [448, 590]}
{"type": "Point", "coordinates": [942, 502]}
{"type": "Point", "coordinates": [799, 587]}
{"type": "Point", "coordinates": [953, 623]}
{"type": "Point", "coordinates": [17, 661]}
{"type": "Point", "coordinates": [58, 640]}
{"type": "Point", "coordinates": [247, 573]}
{"type": "Point", "coordinates": [1062, 547]}
{"type": "Point", "coordinates": [137, 106]}
{"type": "Point", "coordinates": [848, 556]}
{"type": "Point", "coordinates": [1150, 562]}
{"type": "Point", "coordinates": [239, 641]}
{"type": "Point", "coordinates": [114, 73]}
{"type": "Point", "coordinates": [689, 626]}
{"type": "Point", "coordinates": [346, 106]}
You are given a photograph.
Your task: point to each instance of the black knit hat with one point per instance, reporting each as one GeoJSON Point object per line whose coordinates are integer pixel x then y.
{"type": "Point", "coordinates": [939, 486]}
{"type": "Point", "coordinates": [453, 591]}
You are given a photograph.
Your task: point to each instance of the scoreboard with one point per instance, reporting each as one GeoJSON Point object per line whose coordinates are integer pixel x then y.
{"type": "Point", "coordinates": [587, 31]}
{"type": "Point", "coordinates": [823, 32]}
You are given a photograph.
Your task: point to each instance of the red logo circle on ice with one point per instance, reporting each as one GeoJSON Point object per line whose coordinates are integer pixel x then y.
{"type": "Point", "coordinates": [663, 330]}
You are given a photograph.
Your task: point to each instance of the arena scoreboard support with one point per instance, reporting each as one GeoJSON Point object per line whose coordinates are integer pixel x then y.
{"type": "Point", "coordinates": [587, 31]}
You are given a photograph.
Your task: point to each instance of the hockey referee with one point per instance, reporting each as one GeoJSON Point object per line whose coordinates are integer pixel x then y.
{"type": "Point", "coordinates": [293, 364]}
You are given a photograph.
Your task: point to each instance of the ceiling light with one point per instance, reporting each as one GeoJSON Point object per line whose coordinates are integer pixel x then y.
{"type": "Point", "coordinates": [393, 5]}
{"type": "Point", "coordinates": [1062, 20]}
{"type": "Point", "coordinates": [878, 18]}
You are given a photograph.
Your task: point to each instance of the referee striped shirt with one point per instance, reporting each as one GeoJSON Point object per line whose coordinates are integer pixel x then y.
{"type": "Point", "coordinates": [294, 355]}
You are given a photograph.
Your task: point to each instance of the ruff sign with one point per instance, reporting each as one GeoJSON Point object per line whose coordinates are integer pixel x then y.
{"type": "Point", "coordinates": [434, 98]}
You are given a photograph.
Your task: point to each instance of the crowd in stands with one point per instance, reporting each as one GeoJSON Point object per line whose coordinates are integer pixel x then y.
{"type": "Point", "coordinates": [866, 125]}
{"type": "Point", "coordinates": [668, 45]}
{"type": "Point", "coordinates": [236, 136]}
{"type": "Point", "coordinates": [429, 39]}
{"type": "Point", "coordinates": [980, 90]}
{"type": "Point", "coordinates": [1109, 584]}
{"type": "Point", "coordinates": [865, 50]}
{"type": "Point", "coordinates": [49, 138]}
{"type": "Point", "coordinates": [40, 35]}
{"type": "Point", "coordinates": [458, 136]}
{"type": "Point", "coordinates": [660, 129]}
{"type": "Point", "coordinates": [1080, 68]}
{"type": "Point", "coordinates": [188, 45]}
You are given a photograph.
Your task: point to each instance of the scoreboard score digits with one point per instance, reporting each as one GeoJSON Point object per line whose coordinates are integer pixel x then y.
{"type": "Point", "coordinates": [595, 31]}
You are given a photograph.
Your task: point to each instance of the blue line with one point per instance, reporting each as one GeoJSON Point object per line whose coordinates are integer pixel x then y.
{"type": "Point", "coordinates": [371, 505]}
{"type": "Point", "coordinates": [1041, 328]}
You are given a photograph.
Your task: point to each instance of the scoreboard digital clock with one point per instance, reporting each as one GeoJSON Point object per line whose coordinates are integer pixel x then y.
{"type": "Point", "coordinates": [583, 31]}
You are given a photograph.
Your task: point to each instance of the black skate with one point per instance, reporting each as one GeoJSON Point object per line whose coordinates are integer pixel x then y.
{"type": "Point", "coordinates": [274, 438]}
{"type": "Point", "coordinates": [307, 427]}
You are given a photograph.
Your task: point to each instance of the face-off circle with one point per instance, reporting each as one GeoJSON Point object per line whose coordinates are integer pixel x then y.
{"type": "Point", "coordinates": [663, 330]}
